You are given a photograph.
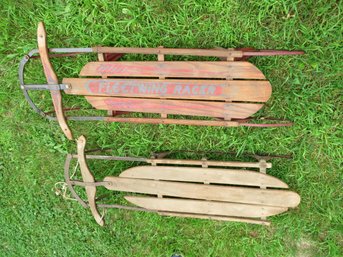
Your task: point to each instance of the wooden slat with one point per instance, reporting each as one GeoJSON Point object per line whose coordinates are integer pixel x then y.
{"type": "Point", "coordinates": [208, 175]}
{"type": "Point", "coordinates": [181, 162]}
{"type": "Point", "coordinates": [270, 197]}
{"type": "Point", "coordinates": [205, 207]}
{"type": "Point", "coordinates": [214, 217]}
{"type": "Point", "coordinates": [234, 90]}
{"type": "Point", "coordinates": [170, 51]}
{"type": "Point", "coordinates": [181, 107]}
{"type": "Point", "coordinates": [209, 163]}
{"type": "Point", "coordinates": [179, 69]}
{"type": "Point", "coordinates": [160, 58]}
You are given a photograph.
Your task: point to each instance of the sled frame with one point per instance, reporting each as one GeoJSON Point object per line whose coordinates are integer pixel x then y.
{"type": "Point", "coordinates": [156, 159]}
{"type": "Point", "coordinates": [114, 53]}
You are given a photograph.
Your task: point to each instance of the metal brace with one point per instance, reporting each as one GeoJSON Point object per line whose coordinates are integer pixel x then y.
{"type": "Point", "coordinates": [45, 86]}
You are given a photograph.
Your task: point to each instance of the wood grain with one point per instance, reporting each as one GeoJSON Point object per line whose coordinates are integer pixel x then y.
{"type": "Point", "coordinates": [177, 69]}
{"type": "Point", "coordinates": [88, 177]}
{"type": "Point", "coordinates": [233, 90]}
{"type": "Point", "coordinates": [208, 162]}
{"type": "Point", "coordinates": [181, 107]}
{"type": "Point", "coordinates": [269, 197]}
{"type": "Point", "coordinates": [170, 51]}
{"type": "Point", "coordinates": [205, 207]}
{"type": "Point", "coordinates": [51, 79]}
{"type": "Point", "coordinates": [209, 175]}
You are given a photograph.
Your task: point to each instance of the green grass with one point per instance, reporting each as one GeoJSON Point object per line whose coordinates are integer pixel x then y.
{"type": "Point", "coordinates": [307, 89]}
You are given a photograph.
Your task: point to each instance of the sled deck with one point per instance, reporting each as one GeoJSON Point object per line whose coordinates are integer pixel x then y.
{"type": "Point", "coordinates": [216, 93]}
{"type": "Point", "coordinates": [227, 191]}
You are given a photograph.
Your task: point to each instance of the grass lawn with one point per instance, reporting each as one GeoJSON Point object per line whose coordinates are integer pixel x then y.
{"type": "Point", "coordinates": [35, 221]}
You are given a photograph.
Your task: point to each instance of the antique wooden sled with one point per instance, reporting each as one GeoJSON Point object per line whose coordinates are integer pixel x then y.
{"type": "Point", "coordinates": [228, 91]}
{"type": "Point", "coordinates": [218, 190]}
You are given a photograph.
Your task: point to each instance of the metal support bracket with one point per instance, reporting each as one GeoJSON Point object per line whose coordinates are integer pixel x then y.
{"type": "Point", "coordinates": [45, 87]}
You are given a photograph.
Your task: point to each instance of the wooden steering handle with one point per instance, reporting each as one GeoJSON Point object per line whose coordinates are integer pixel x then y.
{"type": "Point", "coordinates": [88, 177]}
{"type": "Point", "coordinates": [52, 79]}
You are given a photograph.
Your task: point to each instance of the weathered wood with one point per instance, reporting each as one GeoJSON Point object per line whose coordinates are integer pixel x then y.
{"type": "Point", "coordinates": [263, 170]}
{"type": "Point", "coordinates": [51, 79]}
{"type": "Point", "coordinates": [160, 58]}
{"type": "Point", "coordinates": [88, 177]}
{"type": "Point", "coordinates": [101, 58]}
{"type": "Point", "coordinates": [154, 161]}
{"type": "Point", "coordinates": [195, 108]}
{"type": "Point", "coordinates": [208, 175]}
{"type": "Point", "coordinates": [230, 58]}
{"type": "Point", "coordinates": [270, 197]}
{"type": "Point", "coordinates": [177, 69]}
{"type": "Point", "coordinates": [205, 207]}
{"type": "Point", "coordinates": [170, 51]}
{"type": "Point", "coordinates": [214, 217]}
{"type": "Point", "coordinates": [232, 90]}
{"type": "Point", "coordinates": [209, 163]}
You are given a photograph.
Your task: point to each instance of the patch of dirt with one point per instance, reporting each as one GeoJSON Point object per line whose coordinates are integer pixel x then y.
{"type": "Point", "coordinates": [305, 248]}
{"type": "Point", "coordinates": [253, 234]}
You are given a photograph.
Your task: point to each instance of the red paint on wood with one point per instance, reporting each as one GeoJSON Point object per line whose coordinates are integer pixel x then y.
{"type": "Point", "coordinates": [181, 107]}
{"type": "Point", "coordinates": [235, 70]}
{"type": "Point", "coordinates": [187, 88]}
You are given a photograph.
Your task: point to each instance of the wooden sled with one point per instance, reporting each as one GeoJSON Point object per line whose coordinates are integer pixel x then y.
{"type": "Point", "coordinates": [228, 91]}
{"type": "Point", "coordinates": [170, 187]}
